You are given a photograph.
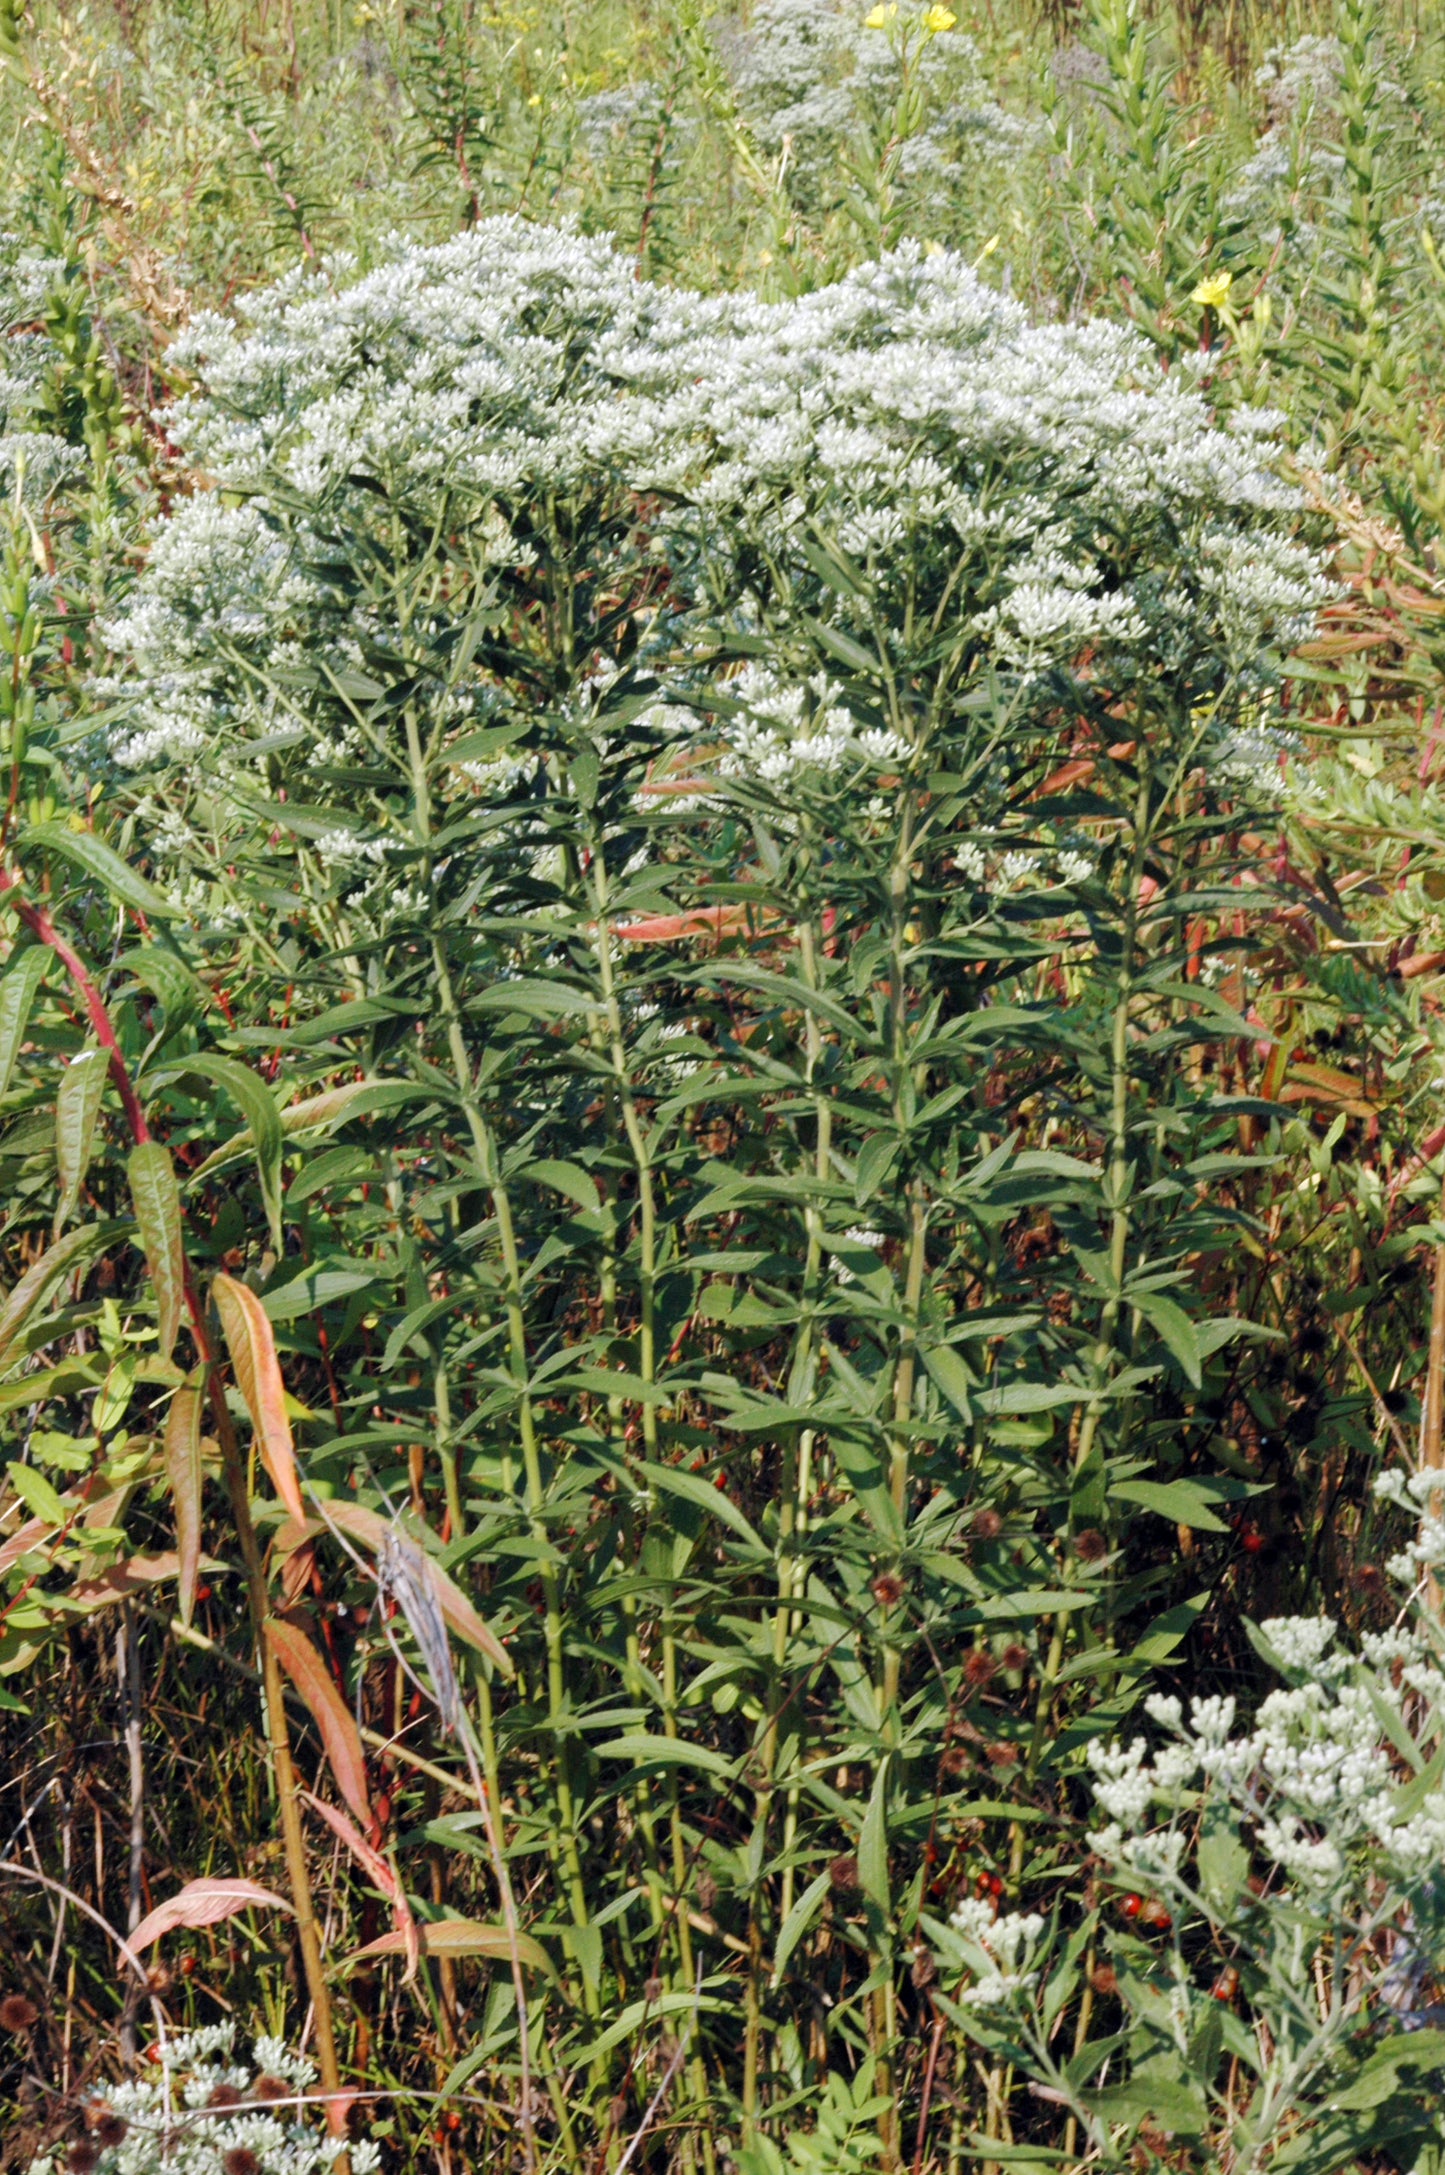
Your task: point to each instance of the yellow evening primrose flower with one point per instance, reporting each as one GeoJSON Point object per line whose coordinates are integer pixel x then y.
{"type": "Point", "coordinates": [882, 15]}
{"type": "Point", "coordinates": [938, 20]}
{"type": "Point", "coordinates": [1213, 293]}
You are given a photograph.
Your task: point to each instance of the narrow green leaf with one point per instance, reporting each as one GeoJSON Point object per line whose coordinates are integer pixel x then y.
{"type": "Point", "coordinates": [21, 980]}
{"type": "Point", "coordinates": [1175, 1327]}
{"type": "Point", "coordinates": [798, 1920]}
{"type": "Point", "coordinates": [873, 1842]}
{"type": "Point", "coordinates": [257, 1106]}
{"type": "Point", "coordinates": [36, 1493]}
{"type": "Point", "coordinates": [77, 1108]}
{"type": "Point", "coordinates": [97, 860]}
{"type": "Point", "coordinates": [158, 1215]}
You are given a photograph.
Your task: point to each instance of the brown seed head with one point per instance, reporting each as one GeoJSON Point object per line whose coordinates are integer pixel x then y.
{"type": "Point", "coordinates": [225, 2095]}
{"type": "Point", "coordinates": [653, 1989]}
{"type": "Point", "coordinates": [1368, 1577]}
{"type": "Point", "coordinates": [987, 1525]}
{"type": "Point", "coordinates": [1002, 1755]}
{"type": "Point", "coordinates": [954, 1761]}
{"type": "Point", "coordinates": [1014, 1656]}
{"type": "Point", "coordinates": [1090, 1546]}
{"type": "Point", "coordinates": [272, 2088]}
{"type": "Point", "coordinates": [240, 2160]}
{"type": "Point", "coordinates": [924, 1970]}
{"type": "Point", "coordinates": [980, 1668]}
{"type": "Point", "coordinates": [888, 1589]}
{"type": "Point", "coordinates": [706, 1891]}
{"type": "Point", "coordinates": [1104, 1979]}
{"type": "Point", "coordinates": [108, 2128]}
{"type": "Point", "coordinates": [82, 2156]}
{"type": "Point", "coordinates": [17, 2014]}
{"type": "Point", "coordinates": [843, 1875]}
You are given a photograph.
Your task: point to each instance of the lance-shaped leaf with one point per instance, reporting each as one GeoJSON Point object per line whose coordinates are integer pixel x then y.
{"type": "Point", "coordinates": [18, 985]}
{"type": "Point", "coordinates": [157, 1206]}
{"type": "Point", "coordinates": [204, 1902]}
{"type": "Point", "coordinates": [383, 1877]}
{"type": "Point", "coordinates": [313, 1680]}
{"type": "Point", "coordinates": [309, 1116]}
{"type": "Point", "coordinates": [183, 1471]}
{"type": "Point", "coordinates": [460, 1937]}
{"type": "Point", "coordinates": [257, 1106]}
{"type": "Point", "coordinates": [258, 1377]}
{"type": "Point", "coordinates": [57, 1260]}
{"type": "Point", "coordinates": [97, 860]}
{"type": "Point", "coordinates": [371, 1529]}
{"type": "Point", "coordinates": [77, 1107]}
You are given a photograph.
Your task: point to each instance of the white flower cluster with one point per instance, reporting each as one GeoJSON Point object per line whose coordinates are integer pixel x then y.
{"type": "Point", "coordinates": [34, 462]}
{"type": "Point", "coordinates": [904, 434]}
{"type": "Point", "coordinates": [1006, 1942]}
{"type": "Point", "coordinates": [1314, 1779]}
{"type": "Point", "coordinates": [197, 2109]}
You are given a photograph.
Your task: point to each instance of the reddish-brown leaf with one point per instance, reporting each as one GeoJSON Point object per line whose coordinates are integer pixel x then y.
{"type": "Point", "coordinates": [183, 1471]}
{"type": "Point", "coordinates": [313, 1680]}
{"type": "Point", "coordinates": [202, 1903]}
{"type": "Point", "coordinates": [258, 1377]}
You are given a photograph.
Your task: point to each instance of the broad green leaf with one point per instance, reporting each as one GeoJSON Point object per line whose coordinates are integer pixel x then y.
{"type": "Point", "coordinates": [666, 1752]}
{"type": "Point", "coordinates": [1174, 1326]}
{"type": "Point", "coordinates": [876, 1159]}
{"type": "Point", "coordinates": [1184, 1502]}
{"type": "Point", "coordinates": [158, 1217]}
{"type": "Point", "coordinates": [36, 1493]}
{"type": "Point", "coordinates": [77, 1108]}
{"type": "Point", "coordinates": [694, 1489]}
{"type": "Point", "coordinates": [22, 978]}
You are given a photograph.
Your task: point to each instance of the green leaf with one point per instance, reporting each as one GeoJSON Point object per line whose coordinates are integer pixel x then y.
{"type": "Point", "coordinates": [1223, 1860]}
{"type": "Point", "coordinates": [876, 1159]}
{"type": "Point", "coordinates": [1183, 1502]}
{"type": "Point", "coordinates": [57, 1261]}
{"type": "Point", "coordinates": [257, 1106]}
{"type": "Point", "coordinates": [157, 1203]}
{"type": "Point", "coordinates": [1175, 1327]}
{"type": "Point", "coordinates": [77, 1108]}
{"type": "Point", "coordinates": [36, 1493]}
{"type": "Point", "coordinates": [22, 978]}
{"type": "Point", "coordinates": [946, 1370]}
{"type": "Point", "coordinates": [797, 1922]}
{"type": "Point", "coordinates": [694, 1489]}
{"type": "Point", "coordinates": [95, 859]}
{"type": "Point", "coordinates": [665, 1752]}
{"type": "Point", "coordinates": [873, 1842]}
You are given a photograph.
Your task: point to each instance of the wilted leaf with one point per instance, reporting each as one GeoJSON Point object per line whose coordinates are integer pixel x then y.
{"type": "Point", "coordinates": [203, 1902]}
{"type": "Point", "coordinates": [183, 1471]}
{"type": "Point", "coordinates": [371, 1529]}
{"type": "Point", "coordinates": [460, 1937]}
{"type": "Point", "coordinates": [313, 1680]}
{"type": "Point", "coordinates": [258, 1376]}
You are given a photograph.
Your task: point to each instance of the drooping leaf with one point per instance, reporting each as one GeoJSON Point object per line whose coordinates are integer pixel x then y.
{"type": "Point", "coordinates": [95, 859]}
{"type": "Point", "coordinates": [204, 1902]}
{"type": "Point", "coordinates": [184, 1473]}
{"type": "Point", "coordinates": [258, 1107]}
{"type": "Point", "coordinates": [371, 1529]}
{"type": "Point", "coordinates": [460, 1937]}
{"type": "Point", "coordinates": [157, 1206]}
{"type": "Point", "coordinates": [258, 1377]}
{"type": "Point", "coordinates": [313, 1680]}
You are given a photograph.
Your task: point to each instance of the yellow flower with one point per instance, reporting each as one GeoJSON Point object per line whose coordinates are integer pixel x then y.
{"type": "Point", "coordinates": [939, 19]}
{"type": "Point", "coordinates": [535, 99]}
{"type": "Point", "coordinates": [882, 15]}
{"type": "Point", "coordinates": [1213, 293]}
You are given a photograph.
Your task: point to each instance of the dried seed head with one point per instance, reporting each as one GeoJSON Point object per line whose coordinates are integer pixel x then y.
{"type": "Point", "coordinates": [843, 1875]}
{"type": "Point", "coordinates": [1104, 1979]}
{"type": "Point", "coordinates": [954, 1761]}
{"type": "Point", "coordinates": [924, 1970]}
{"type": "Point", "coordinates": [269, 2088]}
{"type": "Point", "coordinates": [108, 2128]}
{"type": "Point", "coordinates": [980, 1668]}
{"type": "Point", "coordinates": [706, 1891]}
{"type": "Point", "coordinates": [987, 1525]}
{"type": "Point", "coordinates": [888, 1589]}
{"type": "Point", "coordinates": [17, 2014]}
{"type": "Point", "coordinates": [653, 1989]}
{"type": "Point", "coordinates": [240, 2160]}
{"type": "Point", "coordinates": [82, 2156]}
{"type": "Point", "coordinates": [1090, 1546]}
{"type": "Point", "coordinates": [1014, 1656]}
{"type": "Point", "coordinates": [225, 2095]}
{"type": "Point", "coordinates": [1002, 1755]}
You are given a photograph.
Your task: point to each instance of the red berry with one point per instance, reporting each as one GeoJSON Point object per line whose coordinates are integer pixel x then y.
{"type": "Point", "coordinates": [1130, 1906]}
{"type": "Point", "coordinates": [203, 1593]}
{"type": "Point", "coordinates": [1154, 1914]}
{"type": "Point", "coordinates": [1226, 1986]}
{"type": "Point", "coordinates": [1251, 1540]}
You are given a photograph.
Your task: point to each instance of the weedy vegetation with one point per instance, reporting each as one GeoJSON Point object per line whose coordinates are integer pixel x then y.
{"type": "Point", "coordinates": [722, 906]}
